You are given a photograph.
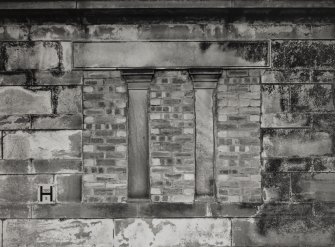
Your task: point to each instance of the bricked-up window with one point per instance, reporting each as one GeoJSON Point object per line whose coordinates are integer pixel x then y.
{"type": "Point", "coordinates": [138, 152]}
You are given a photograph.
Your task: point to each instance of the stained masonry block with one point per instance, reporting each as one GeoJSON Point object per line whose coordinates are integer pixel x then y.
{"type": "Point", "coordinates": [317, 187]}
{"type": "Point", "coordinates": [185, 232]}
{"type": "Point", "coordinates": [69, 187]}
{"type": "Point", "coordinates": [283, 231]}
{"type": "Point", "coordinates": [19, 100]}
{"type": "Point", "coordinates": [238, 163]}
{"type": "Point", "coordinates": [64, 144]}
{"type": "Point", "coordinates": [172, 143]}
{"type": "Point", "coordinates": [21, 188]}
{"type": "Point", "coordinates": [296, 143]}
{"type": "Point", "coordinates": [38, 55]}
{"type": "Point", "coordinates": [74, 232]}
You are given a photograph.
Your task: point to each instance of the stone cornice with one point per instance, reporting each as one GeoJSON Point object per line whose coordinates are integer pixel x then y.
{"type": "Point", "coordinates": [163, 4]}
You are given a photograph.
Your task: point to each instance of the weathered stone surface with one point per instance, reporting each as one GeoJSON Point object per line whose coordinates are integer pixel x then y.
{"type": "Point", "coordinates": [15, 211]}
{"type": "Point", "coordinates": [316, 186]}
{"type": "Point", "coordinates": [14, 32]}
{"type": "Point", "coordinates": [204, 142]}
{"type": "Point", "coordinates": [32, 55]}
{"type": "Point", "coordinates": [21, 188]}
{"type": "Point", "coordinates": [54, 32]}
{"type": "Point", "coordinates": [283, 231]}
{"type": "Point", "coordinates": [275, 99]}
{"type": "Point", "coordinates": [175, 210]}
{"type": "Point", "coordinates": [18, 100]}
{"type": "Point", "coordinates": [84, 233]}
{"type": "Point", "coordinates": [311, 98]}
{"type": "Point", "coordinates": [285, 120]}
{"type": "Point", "coordinates": [13, 79]}
{"type": "Point", "coordinates": [318, 54]}
{"type": "Point", "coordinates": [85, 210]}
{"type": "Point", "coordinates": [67, 121]}
{"type": "Point", "coordinates": [287, 76]}
{"type": "Point", "coordinates": [295, 143]}
{"type": "Point", "coordinates": [172, 232]}
{"type": "Point", "coordinates": [66, 78]}
{"type": "Point", "coordinates": [170, 54]}
{"type": "Point", "coordinates": [69, 100]}
{"type": "Point", "coordinates": [42, 144]}
{"type": "Point", "coordinates": [69, 187]}
{"type": "Point", "coordinates": [40, 166]}
{"type": "Point", "coordinates": [288, 164]}
{"type": "Point", "coordinates": [276, 187]}
{"type": "Point", "coordinates": [14, 122]}
{"type": "Point", "coordinates": [263, 30]}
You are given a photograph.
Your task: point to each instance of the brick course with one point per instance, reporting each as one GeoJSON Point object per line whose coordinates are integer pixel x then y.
{"type": "Point", "coordinates": [238, 133]}
{"type": "Point", "coordinates": [105, 139]}
{"type": "Point", "coordinates": [172, 166]}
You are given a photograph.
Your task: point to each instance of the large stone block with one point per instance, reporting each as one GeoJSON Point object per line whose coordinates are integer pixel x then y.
{"type": "Point", "coordinates": [83, 233]}
{"type": "Point", "coordinates": [172, 232]}
{"type": "Point", "coordinates": [66, 78]}
{"type": "Point", "coordinates": [283, 231]}
{"type": "Point", "coordinates": [317, 186]}
{"type": "Point", "coordinates": [296, 143]}
{"type": "Point", "coordinates": [21, 188]}
{"type": "Point", "coordinates": [312, 98]}
{"type": "Point", "coordinates": [69, 100]}
{"type": "Point", "coordinates": [318, 54]}
{"type": "Point", "coordinates": [63, 121]}
{"type": "Point", "coordinates": [69, 187]}
{"type": "Point", "coordinates": [32, 55]}
{"type": "Point", "coordinates": [42, 144]}
{"type": "Point", "coordinates": [170, 54]}
{"type": "Point", "coordinates": [52, 166]}
{"type": "Point", "coordinates": [14, 122]}
{"type": "Point", "coordinates": [18, 100]}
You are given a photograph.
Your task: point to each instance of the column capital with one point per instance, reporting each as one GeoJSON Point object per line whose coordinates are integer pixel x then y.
{"type": "Point", "coordinates": [205, 77]}
{"type": "Point", "coordinates": [138, 78]}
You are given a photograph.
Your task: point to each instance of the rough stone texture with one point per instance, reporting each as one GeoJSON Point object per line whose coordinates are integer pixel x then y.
{"type": "Point", "coordinates": [316, 186]}
{"type": "Point", "coordinates": [37, 55]}
{"type": "Point", "coordinates": [18, 100]}
{"type": "Point", "coordinates": [74, 232]}
{"type": "Point", "coordinates": [172, 232]}
{"type": "Point", "coordinates": [172, 141]}
{"type": "Point", "coordinates": [64, 144]}
{"type": "Point", "coordinates": [296, 143]}
{"type": "Point", "coordinates": [158, 54]}
{"type": "Point", "coordinates": [21, 188]}
{"type": "Point", "coordinates": [36, 166]}
{"type": "Point", "coordinates": [238, 146]}
{"type": "Point", "coordinates": [283, 231]}
{"type": "Point", "coordinates": [105, 138]}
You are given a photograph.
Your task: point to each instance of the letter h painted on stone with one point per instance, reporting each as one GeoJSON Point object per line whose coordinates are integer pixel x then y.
{"type": "Point", "coordinates": [46, 193]}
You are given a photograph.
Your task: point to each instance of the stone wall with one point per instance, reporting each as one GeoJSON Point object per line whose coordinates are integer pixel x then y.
{"type": "Point", "coordinates": [240, 123]}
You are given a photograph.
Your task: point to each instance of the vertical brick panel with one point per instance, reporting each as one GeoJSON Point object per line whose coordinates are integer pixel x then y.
{"type": "Point", "coordinates": [172, 141]}
{"type": "Point", "coordinates": [105, 139]}
{"type": "Point", "coordinates": [238, 138]}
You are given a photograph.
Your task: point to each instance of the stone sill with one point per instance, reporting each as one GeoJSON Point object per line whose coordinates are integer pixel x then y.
{"type": "Point", "coordinates": [163, 4]}
{"type": "Point", "coordinates": [161, 210]}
